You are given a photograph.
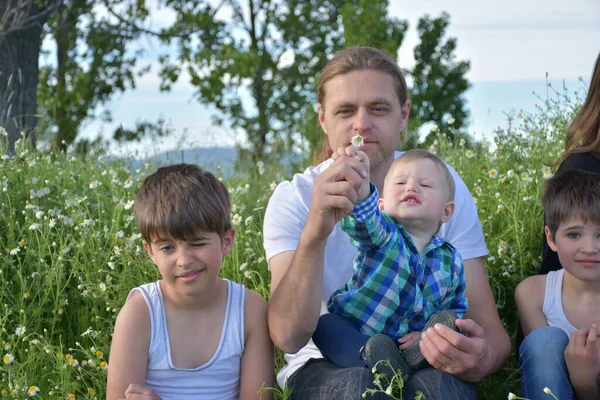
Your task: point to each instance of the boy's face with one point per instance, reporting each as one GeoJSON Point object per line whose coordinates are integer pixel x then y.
{"type": "Point", "coordinates": [415, 194]}
{"type": "Point", "coordinates": [578, 247]}
{"type": "Point", "coordinates": [190, 266]}
{"type": "Point", "coordinates": [364, 102]}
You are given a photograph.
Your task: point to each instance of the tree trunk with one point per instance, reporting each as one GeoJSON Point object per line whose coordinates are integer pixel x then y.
{"type": "Point", "coordinates": [19, 58]}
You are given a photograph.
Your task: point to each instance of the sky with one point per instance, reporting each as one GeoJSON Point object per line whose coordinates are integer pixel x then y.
{"type": "Point", "coordinates": [512, 46]}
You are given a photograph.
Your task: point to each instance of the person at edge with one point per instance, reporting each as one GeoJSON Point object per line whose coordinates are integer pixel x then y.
{"type": "Point", "coordinates": [559, 311]}
{"type": "Point", "coordinates": [362, 91]}
{"type": "Point", "coordinates": [582, 151]}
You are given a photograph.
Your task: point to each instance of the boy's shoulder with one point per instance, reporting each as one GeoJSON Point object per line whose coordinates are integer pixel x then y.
{"type": "Point", "coordinates": [255, 311]}
{"type": "Point", "coordinates": [532, 288]}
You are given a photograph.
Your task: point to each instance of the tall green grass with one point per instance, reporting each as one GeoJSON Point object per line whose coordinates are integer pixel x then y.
{"type": "Point", "coordinates": [70, 250]}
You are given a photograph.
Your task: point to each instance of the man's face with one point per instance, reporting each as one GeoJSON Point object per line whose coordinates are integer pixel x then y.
{"type": "Point", "coordinates": [364, 102]}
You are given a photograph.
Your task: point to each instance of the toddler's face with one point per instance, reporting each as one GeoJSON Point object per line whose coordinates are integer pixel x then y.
{"type": "Point", "coordinates": [416, 194]}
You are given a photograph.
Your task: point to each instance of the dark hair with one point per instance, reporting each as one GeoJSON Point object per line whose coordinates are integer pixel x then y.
{"type": "Point", "coordinates": [583, 135]}
{"type": "Point", "coordinates": [179, 200]}
{"type": "Point", "coordinates": [421, 154]}
{"type": "Point", "coordinates": [571, 194]}
{"type": "Point", "coordinates": [356, 59]}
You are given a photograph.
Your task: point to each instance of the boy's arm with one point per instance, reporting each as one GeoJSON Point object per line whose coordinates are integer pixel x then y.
{"type": "Point", "coordinates": [257, 369]}
{"type": "Point", "coordinates": [129, 348]}
{"type": "Point", "coordinates": [455, 299]}
{"type": "Point", "coordinates": [367, 226]}
{"type": "Point", "coordinates": [529, 296]}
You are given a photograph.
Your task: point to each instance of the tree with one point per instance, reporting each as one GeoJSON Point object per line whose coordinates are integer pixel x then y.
{"type": "Point", "coordinates": [439, 81]}
{"type": "Point", "coordinates": [21, 23]}
{"type": "Point", "coordinates": [269, 51]}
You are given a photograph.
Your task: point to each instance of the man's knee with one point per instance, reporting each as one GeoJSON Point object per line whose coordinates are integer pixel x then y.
{"type": "Point", "coordinates": [438, 385]}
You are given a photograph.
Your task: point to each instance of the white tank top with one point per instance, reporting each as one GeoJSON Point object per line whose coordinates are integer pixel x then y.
{"type": "Point", "coordinates": [219, 378]}
{"type": "Point", "coordinates": [553, 309]}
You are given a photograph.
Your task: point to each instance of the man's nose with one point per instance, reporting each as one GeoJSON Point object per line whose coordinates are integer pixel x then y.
{"type": "Point", "coordinates": [362, 121]}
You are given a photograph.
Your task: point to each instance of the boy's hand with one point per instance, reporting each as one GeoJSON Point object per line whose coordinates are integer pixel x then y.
{"type": "Point", "coordinates": [407, 340]}
{"type": "Point", "coordinates": [351, 151]}
{"type": "Point", "coordinates": [139, 392]}
{"type": "Point", "coordinates": [583, 360]}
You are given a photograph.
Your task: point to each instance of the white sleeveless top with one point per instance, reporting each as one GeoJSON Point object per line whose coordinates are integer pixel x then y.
{"type": "Point", "coordinates": [219, 378]}
{"type": "Point", "coordinates": [553, 308]}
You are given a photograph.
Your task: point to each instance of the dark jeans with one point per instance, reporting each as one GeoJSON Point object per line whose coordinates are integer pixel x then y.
{"type": "Point", "coordinates": [339, 341]}
{"type": "Point", "coordinates": [320, 379]}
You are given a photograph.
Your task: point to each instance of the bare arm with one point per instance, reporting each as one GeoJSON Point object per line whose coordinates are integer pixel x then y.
{"type": "Point", "coordinates": [257, 369]}
{"type": "Point", "coordinates": [529, 296]}
{"type": "Point", "coordinates": [486, 345]}
{"type": "Point", "coordinates": [297, 276]}
{"type": "Point", "coordinates": [129, 348]}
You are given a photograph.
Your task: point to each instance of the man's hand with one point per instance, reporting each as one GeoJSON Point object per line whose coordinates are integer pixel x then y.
{"type": "Point", "coordinates": [139, 392]}
{"type": "Point", "coordinates": [583, 361]}
{"type": "Point", "coordinates": [455, 353]}
{"type": "Point", "coordinates": [364, 190]}
{"type": "Point", "coordinates": [334, 194]}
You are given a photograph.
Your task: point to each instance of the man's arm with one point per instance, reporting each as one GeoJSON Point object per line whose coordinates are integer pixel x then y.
{"type": "Point", "coordinates": [486, 345]}
{"type": "Point", "coordinates": [297, 276]}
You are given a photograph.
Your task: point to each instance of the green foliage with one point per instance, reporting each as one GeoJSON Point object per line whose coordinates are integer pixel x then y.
{"type": "Point", "coordinates": [70, 250]}
{"type": "Point", "coordinates": [439, 79]}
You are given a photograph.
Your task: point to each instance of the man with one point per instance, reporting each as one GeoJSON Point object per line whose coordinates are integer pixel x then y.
{"type": "Point", "coordinates": [362, 91]}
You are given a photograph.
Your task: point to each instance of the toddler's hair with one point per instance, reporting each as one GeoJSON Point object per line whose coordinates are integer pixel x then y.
{"type": "Point", "coordinates": [420, 154]}
{"type": "Point", "coordinates": [179, 200]}
{"type": "Point", "coordinates": [572, 194]}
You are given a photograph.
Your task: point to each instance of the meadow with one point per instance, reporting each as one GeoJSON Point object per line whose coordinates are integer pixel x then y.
{"type": "Point", "coordinates": [70, 250]}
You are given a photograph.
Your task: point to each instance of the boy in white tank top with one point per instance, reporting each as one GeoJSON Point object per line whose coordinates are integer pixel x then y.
{"type": "Point", "coordinates": [560, 312]}
{"type": "Point", "coordinates": [191, 335]}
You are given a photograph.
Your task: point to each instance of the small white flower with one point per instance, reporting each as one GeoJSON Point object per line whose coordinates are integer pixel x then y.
{"type": "Point", "coordinates": [511, 396]}
{"type": "Point", "coordinates": [548, 174]}
{"type": "Point", "coordinates": [15, 251]}
{"type": "Point", "coordinates": [93, 184]}
{"type": "Point", "coordinates": [273, 185]}
{"type": "Point", "coordinates": [357, 141]}
{"type": "Point", "coordinates": [129, 204]}
{"type": "Point", "coordinates": [20, 331]}
{"type": "Point", "coordinates": [33, 390]}
{"type": "Point", "coordinates": [237, 219]}
{"type": "Point", "coordinates": [52, 223]}
{"type": "Point", "coordinates": [470, 154]}
{"type": "Point", "coordinates": [102, 286]}
{"type": "Point", "coordinates": [5, 157]}
{"type": "Point", "coordinates": [8, 358]}
{"type": "Point", "coordinates": [493, 173]}
{"type": "Point", "coordinates": [451, 121]}
{"type": "Point", "coordinates": [243, 266]}
{"type": "Point", "coordinates": [547, 390]}
{"type": "Point", "coordinates": [128, 184]}
{"type": "Point", "coordinates": [505, 274]}
{"type": "Point", "coordinates": [34, 227]}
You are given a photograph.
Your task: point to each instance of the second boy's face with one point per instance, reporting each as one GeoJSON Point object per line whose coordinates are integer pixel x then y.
{"type": "Point", "coordinates": [415, 194]}
{"type": "Point", "coordinates": [578, 247]}
{"type": "Point", "coordinates": [190, 266]}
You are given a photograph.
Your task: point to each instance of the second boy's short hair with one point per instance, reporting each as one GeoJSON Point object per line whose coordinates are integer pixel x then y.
{"type": "Point", "coordinates": [421, 154]}
{"type": "Point", "coordinates": [571, 194]}
{"type": "Point", "coordinates": [180, 200]}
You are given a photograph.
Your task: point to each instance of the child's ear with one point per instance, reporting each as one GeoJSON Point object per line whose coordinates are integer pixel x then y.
{"type": "Point", "coordinates": [448, 211]}
{"type": "Point", "coordinates": [148, 248]}
{"type": "Point", "coordinates": [227, 241]}
{"type": "Point", "coordinates": [550, 239]}
{"type": "Point", "coordinates": [380, 204]}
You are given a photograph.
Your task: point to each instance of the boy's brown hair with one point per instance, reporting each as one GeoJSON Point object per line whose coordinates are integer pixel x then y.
{"type": "Point", "coordinates": [180, 200]}
{"type": "Point", "coordinates": [571, 194]}
{"type": "Point", "coordinates": [420, 154]}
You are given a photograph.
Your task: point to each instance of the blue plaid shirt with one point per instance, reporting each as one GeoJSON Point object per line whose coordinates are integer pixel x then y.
{"type": "Point", "coordinates": [394, 290]}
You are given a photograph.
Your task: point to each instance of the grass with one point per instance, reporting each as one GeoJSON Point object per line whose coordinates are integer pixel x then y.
{"type": "Point", "coordinates": [70, 250]}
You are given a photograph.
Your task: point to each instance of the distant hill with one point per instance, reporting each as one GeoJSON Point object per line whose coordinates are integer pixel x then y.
{"type": "Point", "coordinates": [208, 158]}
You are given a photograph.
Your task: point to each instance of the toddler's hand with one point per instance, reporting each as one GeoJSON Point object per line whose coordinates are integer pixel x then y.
{"type": "Point", "coordinates": [407, 340]}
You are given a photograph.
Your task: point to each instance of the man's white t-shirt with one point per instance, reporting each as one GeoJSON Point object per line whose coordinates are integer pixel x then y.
{"type": "Point", "coordinates": [286, 216]}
